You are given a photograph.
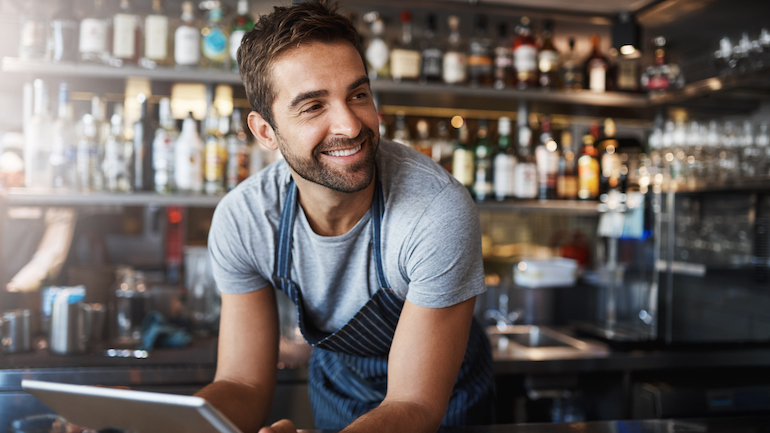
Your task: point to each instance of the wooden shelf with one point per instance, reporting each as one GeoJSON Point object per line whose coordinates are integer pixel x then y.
{"type": "Point", "coordinates": [565, 207]}
{"type": "Point", "coordinates": [46, 197]}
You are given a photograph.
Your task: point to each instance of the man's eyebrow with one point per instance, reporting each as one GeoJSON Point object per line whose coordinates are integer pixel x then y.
{"type": "Point", "coordinates": [358, 82]}
{"type": "Point", "coordinates": [307, 95]}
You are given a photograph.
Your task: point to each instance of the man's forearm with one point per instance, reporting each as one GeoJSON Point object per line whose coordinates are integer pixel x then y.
{"type": "Point", "coordinates": [246, 406]}
{"type": "Point", "coordinates": [396, 417]}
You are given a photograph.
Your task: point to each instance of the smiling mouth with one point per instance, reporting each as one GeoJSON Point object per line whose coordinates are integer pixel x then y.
{"type": "Point", "coordinates": [346, 152]}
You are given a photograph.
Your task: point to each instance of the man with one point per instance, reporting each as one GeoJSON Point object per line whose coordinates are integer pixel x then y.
{"type": "Point", "coordinates": [376, 244]}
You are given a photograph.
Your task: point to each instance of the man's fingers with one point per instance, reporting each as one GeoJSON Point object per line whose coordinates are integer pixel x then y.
{"type": "Point", "coordinates": [282, 426]}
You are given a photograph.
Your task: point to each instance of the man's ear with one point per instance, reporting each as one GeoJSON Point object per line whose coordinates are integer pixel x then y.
{"type": "Point", "coordinates": [262, 131]}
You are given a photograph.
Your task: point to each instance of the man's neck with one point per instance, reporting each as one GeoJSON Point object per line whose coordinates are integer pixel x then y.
{"type": "Point", "coordinates": [329, 212]}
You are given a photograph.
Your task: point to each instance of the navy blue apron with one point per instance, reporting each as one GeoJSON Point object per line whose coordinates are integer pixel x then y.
{"type": "Point", "coordinates": [347, 375]}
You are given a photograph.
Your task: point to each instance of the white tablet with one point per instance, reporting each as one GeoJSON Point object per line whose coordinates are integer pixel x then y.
{"type": "Point", "coordinates": [135, 411]}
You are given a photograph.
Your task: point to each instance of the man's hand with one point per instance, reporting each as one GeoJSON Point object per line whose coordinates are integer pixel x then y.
{"type": "Point", "coordinates": [282, 426]}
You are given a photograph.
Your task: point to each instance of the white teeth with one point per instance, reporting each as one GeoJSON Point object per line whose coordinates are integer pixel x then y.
{"type": "Point", "coordinates": [347, 152]}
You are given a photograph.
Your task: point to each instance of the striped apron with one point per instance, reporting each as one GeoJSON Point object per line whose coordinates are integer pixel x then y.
{"type": "Point", "coordinates": [348, 368]}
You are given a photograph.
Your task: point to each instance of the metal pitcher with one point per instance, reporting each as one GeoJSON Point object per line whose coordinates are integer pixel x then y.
{"type": "Point", "coordinates": [16, 331]}
{"type": "Point", "coordinates": [70, 327]}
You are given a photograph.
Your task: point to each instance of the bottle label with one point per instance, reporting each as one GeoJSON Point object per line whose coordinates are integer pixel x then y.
{"type": "Point", "coordinates": [627, 75]}
{"type": "Point", "coordinates": [215, 45]}
{"type": "Point", "coordinates": [405, 63]}
{"type": "Point", "coordinates": [462, 166]}
{"type": "Point", "coordinates": [187, 49]}
{"type": "Point", "coordinates": [93, 36]}
{"type": "Point", "coordinates": [597, 76]}
{"type": "Point", "coordinates": [124, 36]}
{"type": "Point", "coordinates": [588, 177]}
{"type": "Point", "coordinates": [377, 54]}
{"type": "Point", "coordinates": [505, 165]}
{"type": "Point", "coordinates": [432, 59]}
{"type": "Point", "coordinates": [235, 42]}
{"type": "Point", "coordinates": [454, 67]}
{"type": "Point", "coordinates": [548, 61]}
{"type": "Point", "coordinates": [525, 58]}
{"type": "Point", "coordinates": [525, 180]}
{"type": "Point", "coordinates": [156, 37]}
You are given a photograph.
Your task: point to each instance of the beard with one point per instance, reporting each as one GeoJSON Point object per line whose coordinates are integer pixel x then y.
{"type": "Point", "coordinates": [348, 179]}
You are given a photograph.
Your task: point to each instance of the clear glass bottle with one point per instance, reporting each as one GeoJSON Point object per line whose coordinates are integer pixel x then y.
{"type": "Point", "coordinates": [504, 161]}
{"type": "Point", "coordinates": [114, 165]}
{"type": "Point", "coordinates": [212, 156]}
{"type": "Point", "coordinates": [547, 160]}
{"type": "Point", "coordinates": [96, 152]}
{"type": "Point", "coordinates": [401, 132]}
{"type": "Point", "coordinates": [156, 37]}
{"type": "Point", "coordinates": [566, 180]}
{"type": "Point", "coordinates": [94, 43]}
{"type": "Point", "coordinates": [525, 172]}
{"type": "Point", "coordinates": [237, 152]}
{"type": "Point", "coordinates": [571, 72]}
{"type": "Point", "coordinates": [188, 155]}
{"type": "Point", "coordinates": [480, 55]}
{"type": "Point", "coordinates": [64, 144]}
{"type": "Point", "coordinates": [548, 59]}
{"type": "Point", "coordinates": [86, 146]}
{"type": "Point", "coordinates": [214, 41]}
{"type": "Point", "coordinates": [443, 146]}
{"type": "Point", "coordinates": [424, 143]}
{"type": "Point", "coordinates": [240, 25]}
{"type": "Point", "coordinates": [377, 51]}
{"type": "Point", "coordinates": [662, 75]}
{"type": "Point", "coordinates": [503, 64]}
{"type": "Point", "coordinates": [405, 57]}
{"type": "Point", "coordinates": [596, 68]}
{"type": "Point", "coordinates": [33, 39]}
{"type": "Point", "coordinates": [749, 151]}
{"type": "Point", "coordinates": [432, 56]}
{"type": "Point", "coordinates": [463, 159]}
{"type": "Point", "coordinates": [187, 39]}
{"type": "Point", "coordinates": [126, 35]}
{"type": "Point", "coordinates": [455, 60]}
{"type": "Point", "coordinates": [38, 138]}
{"type": "Point", "coordinates": [483, 185]}
{"type": "Point", "coordinates": [525, 56]}
{"type": "Point", "coordinates": [64, 33]}
{"type": "Point", "coordinates": [762, 141]}
{"type": "Point", "coordinates": [163, 149]}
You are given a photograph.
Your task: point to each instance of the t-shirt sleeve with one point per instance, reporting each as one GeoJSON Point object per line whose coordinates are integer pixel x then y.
{"type": "Point", "coordinates": [232, 263]}
{"type": "Point", "coordinates": [444, 264]}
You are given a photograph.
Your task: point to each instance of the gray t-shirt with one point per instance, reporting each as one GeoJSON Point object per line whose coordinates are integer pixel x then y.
{"type": "Point", "coordinates": [430, 234]}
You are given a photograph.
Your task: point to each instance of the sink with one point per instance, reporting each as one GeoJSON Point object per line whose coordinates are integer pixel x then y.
{"type": "Point", "coordinates": [540, 343]}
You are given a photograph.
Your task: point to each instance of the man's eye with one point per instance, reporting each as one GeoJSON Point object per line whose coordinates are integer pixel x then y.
{"type": "Point", "coordinates": [313, 108]}
{"type": "Point", "coordinates": [361, 95]}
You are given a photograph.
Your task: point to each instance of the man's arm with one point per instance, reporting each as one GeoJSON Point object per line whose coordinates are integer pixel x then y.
{"type": "Point", "coordinates": [247, 357]}
{"type": "Point", "coordinates": [424, 360]}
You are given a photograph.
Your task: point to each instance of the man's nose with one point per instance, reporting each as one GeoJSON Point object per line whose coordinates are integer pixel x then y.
{"type": "Point", "coordinates": [345, 122]}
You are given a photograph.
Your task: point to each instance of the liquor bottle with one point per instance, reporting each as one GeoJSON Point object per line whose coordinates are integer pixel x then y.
{"type": "Point", "coordinates": [96, 150]}
{"type": "Point", "coordinates": [156, 37]}
{"type": "Point", "coordinates": [214, 41]}
{"type": "Point", "coordinates": [588, 169]}
{"type": "Point", "coordinates": [242, 23]}
{"type": "Point", "coordinates": [480, 55]}
{"type": "Point", "coordinates": [455, 60]}
{"type": "Point", "coordinates": [212, 155]}
{"type": "Point", "coordinates": [94, 41]}
{"type": "Point", "coordinates": [662, 75]}
{"type": "Point", "coordinates": [483, 185]}
{"type": "Point", "coordinates": [401, 131]}
{"type": "Point", "coordinates": [38, 140]}
{"type": "Point", "coordinates": [504, 162]}
{"type": "Point", "coordinates": [64, 33]}
{"type": "Point", "coordinates": [163, 149]}
{"type": "Point", "coordinates": [525, 171]}
{"type": "Point", "coordinates": [432, 56]}
{"type": "Point", "coordinates": [126, 35]}
{"type": "Point", "coordinates": [609, 159]}
{"type": "Point", "coordinates": [423, 144]}
{"type": "Point", "coordinates": [237, 152]}
{"type": "Point", "coordinates": [64, 143]}
{"type": "Point", "coordinates": [566, 180]}
{"type": "Point", "coordinates": [187, 39]}
{"type": "Point", "coordinates": [114, 165]}
{"type": "Point", "coordinates": [548, 59]}
{"type": "Point", "coordinates": [571, 72]}
{"type": "Point", "coordinates": [443, 147]}
{"type": "Point", "coordinates": [405, 58]}
{"type": "Point", "coordinates": [525, 56]}
{"type": "Point", "coordinates": [377, 52]}
{"type": "Point", "coordinates": [144, 133]}
{"type": "Point", "coordinates": [547, 160]}
{"type": "Point", "coordinates": [188, 154]}
{"type": "Point", "coordinates": [463, 163]}
{"type": "Point", "coordinates": [33, 39]}
{"type": "Point", "coordinates": [595, 68]}
{"type": "Point", "coordinates": [86, 146]}
{"type": "Point", "coordinates": [503, 65]}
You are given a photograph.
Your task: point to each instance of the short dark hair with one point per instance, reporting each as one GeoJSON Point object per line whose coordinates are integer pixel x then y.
{"type": "Point", "coordinates": [284, 28]}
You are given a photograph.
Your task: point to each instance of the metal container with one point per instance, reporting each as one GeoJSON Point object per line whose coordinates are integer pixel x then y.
{"type": "Point", "coordinates": [70, 327]}
{"type": "Point", "coordinates": [16, 331]}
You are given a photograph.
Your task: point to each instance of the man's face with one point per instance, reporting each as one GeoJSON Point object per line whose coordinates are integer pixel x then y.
{"type": "Point", "coordinates": [326, 124]}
